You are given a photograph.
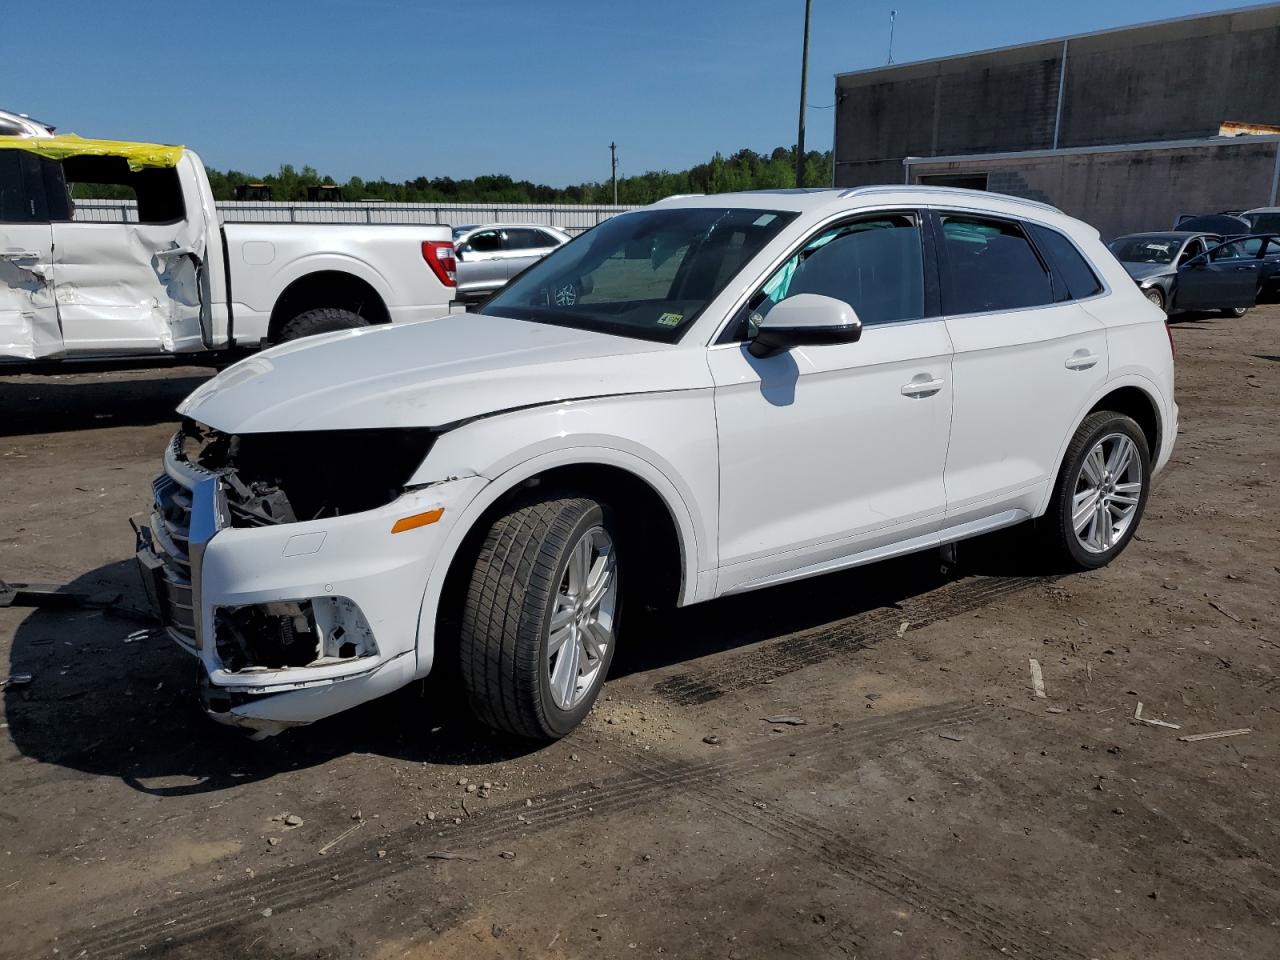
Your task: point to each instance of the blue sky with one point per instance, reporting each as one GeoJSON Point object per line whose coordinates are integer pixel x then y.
{"type": "Point", "coordinates": [532, 88]}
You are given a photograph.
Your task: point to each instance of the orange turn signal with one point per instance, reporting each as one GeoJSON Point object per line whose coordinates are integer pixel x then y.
{"type": "Point", "coordinates": [418, 520]}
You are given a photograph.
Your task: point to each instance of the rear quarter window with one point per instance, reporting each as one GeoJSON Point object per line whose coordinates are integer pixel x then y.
{"type": "Point", "coordinates": [1071, 271]}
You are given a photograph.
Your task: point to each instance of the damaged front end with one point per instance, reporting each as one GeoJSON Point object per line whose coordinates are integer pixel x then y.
{"type": "Point", "coordinates": [272, 558]}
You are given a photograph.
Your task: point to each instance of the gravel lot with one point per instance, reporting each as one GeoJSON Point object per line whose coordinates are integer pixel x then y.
{"type": "Point", "coordinates": [928, 806]}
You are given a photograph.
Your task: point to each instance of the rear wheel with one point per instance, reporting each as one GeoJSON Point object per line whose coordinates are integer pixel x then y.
{"type": "Point", "coordinates": [1101, 491]}
{"type": "Point", "coordinates": [1236, 312]}
{"type": "Point", "coordinates": [540, 619]}
{"type": "Point", "coordinates": [320, 320]}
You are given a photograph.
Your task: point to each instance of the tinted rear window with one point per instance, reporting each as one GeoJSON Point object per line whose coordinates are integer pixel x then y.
{"type": "Point", "coordinates": [1071, 271]}
{"type": "Point", "coordinates": [989, 265]}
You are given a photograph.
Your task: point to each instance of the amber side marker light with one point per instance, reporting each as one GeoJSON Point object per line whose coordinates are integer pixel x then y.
{"type": "Point", "coordinates": [418, 520]}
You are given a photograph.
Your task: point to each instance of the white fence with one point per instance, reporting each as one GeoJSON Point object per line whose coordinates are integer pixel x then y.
{"type": "Point", "coordinates": [572, 218]}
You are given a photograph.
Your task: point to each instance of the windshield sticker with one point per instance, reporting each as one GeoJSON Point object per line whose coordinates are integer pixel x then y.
{"type": "Point", "coordinates": [764, 219]}
{"type": "Point", "coordinates": [670, 319]}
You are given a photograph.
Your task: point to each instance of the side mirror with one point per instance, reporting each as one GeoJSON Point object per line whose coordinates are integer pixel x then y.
{"type": "Point", "coordinates": [807, 319]}
{"type": "Point", "coordinates": [1196, 262]}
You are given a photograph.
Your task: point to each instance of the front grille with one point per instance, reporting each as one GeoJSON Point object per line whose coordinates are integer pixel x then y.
{"type": "Point", "coordinates": [170, 521]}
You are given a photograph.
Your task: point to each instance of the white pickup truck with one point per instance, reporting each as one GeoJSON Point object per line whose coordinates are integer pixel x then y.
{"type": "Point", "coordinates": [177, 281]}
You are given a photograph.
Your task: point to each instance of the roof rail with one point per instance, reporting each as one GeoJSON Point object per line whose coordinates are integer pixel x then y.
{"type": "Point", "coordinates": [944, 191]}
{"type": "Point", "coordinates": [679, 196]}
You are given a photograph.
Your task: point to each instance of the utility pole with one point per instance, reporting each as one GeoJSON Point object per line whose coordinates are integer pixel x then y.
{"type": "Point", "coordinates": [893, 15]}
{"type": "Point", "coordinates": [613, 167]}
{"type": "Point", "coordinates": [804, 79]}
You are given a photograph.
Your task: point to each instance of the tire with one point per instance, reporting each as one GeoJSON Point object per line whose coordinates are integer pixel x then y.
{"type": "Point", "coordinates": [511, 666]}
{"type": "Point", "coordinates": [1234, 312]}
{"type": "Point", "coordinates": [320, 320]}
{"type": "Point", "coordinates": [1156, 296]}
{"type": "Point", "coordinates": [1097, 545]}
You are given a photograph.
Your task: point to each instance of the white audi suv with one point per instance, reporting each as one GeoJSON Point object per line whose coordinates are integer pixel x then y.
{"type": "Point", "coordinates": [706, 396]}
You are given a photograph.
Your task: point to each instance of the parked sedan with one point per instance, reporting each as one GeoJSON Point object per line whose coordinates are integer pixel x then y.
{"type": "Point", "coordinates": [490, 255]}
{"type": "Point", "coordinates": [744, 390]}
{"type": "Point", "coordinates": [1153, 259]}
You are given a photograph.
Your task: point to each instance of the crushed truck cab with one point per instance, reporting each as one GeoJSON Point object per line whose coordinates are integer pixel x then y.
{"type": "Point", "coordinates": [173, 279]}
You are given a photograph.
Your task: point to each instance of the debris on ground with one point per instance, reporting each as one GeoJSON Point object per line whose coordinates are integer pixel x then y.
{"type": "Point", "coordinates": [446, 855]}
{"type": "Point", "coordinates": [712, 739]}
{"type": "Point", "coordinates": [789, 721]}
{"type": "Point", "coordinates": [342, 836]}
{"type": "Point", "coordinates": [1137, 715]}
{"type": "Point", "coordinates": [1216, 735]}
{"type": "Point", "coordinates": [1225, 612]}
{"type": "Point", "coordinates": [903, 627]}
{"type": "Point", "coordinates": [1037, 678]}
{"type": "Point", "coordinates": [507, 855]}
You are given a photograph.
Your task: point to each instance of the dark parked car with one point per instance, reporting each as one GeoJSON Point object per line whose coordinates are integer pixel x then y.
{"type": "Point", "coordinates": [1223, 224]}
{"type": "Point", "coordinates": [1179, 271]}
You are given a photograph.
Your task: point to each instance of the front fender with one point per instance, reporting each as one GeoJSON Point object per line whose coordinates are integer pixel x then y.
{"type": "Point", "coordinates": [512, 448]}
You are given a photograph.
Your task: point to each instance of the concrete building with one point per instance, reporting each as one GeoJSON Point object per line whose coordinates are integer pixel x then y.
{"type": "Point", "coordinates": [1124, 128]}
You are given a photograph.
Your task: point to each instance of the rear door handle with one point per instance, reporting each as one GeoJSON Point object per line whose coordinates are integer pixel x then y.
{"type": "Point", "coordinates": [921, 388]}
{"type": "Point", "coordinates": [1081, 361]}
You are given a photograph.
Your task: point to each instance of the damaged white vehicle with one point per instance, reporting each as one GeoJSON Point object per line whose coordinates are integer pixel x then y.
{"type": "Point", "coordinates": [175, 280]}
{"type": "Point", "coordinates": [707, 396]}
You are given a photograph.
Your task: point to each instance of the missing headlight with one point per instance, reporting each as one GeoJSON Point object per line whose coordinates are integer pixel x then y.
{"type": "Point", "coordinates": [283, 477]}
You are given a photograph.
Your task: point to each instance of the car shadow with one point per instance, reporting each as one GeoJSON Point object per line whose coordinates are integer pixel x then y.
{"type": "Point", "coordinates": [110, 694]}
{"type": "Point", "coordinates": [31, 404]}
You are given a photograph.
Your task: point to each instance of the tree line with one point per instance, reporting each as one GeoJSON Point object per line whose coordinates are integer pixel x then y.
{"type": "Point", "coordinates": [744, 170]}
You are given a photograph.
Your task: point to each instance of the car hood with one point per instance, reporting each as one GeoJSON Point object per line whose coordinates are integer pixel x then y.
{"type": "Point", "coordinates": [433, 373]}
{"type": "Point", "coordinates": [1145, 271]}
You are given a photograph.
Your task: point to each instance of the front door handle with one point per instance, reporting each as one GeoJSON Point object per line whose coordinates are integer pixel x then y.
{"type": "Point", "coordinates": [1081, 361]}
{"type": "Point", "coordinates": [921, 388]}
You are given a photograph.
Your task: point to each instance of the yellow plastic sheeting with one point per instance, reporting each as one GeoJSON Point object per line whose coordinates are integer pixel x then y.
{"type": "Point", "coordinates": [138, 155]}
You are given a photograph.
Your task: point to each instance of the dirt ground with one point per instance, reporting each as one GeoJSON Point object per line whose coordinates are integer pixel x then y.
{"type": "Point", "coordinates": [928, 806]}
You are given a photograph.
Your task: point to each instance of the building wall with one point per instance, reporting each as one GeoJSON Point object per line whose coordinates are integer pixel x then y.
{"type": "Point", "coordinates": [1171, 81]}
{"type": "Point", "coordinates": [1130, 190]}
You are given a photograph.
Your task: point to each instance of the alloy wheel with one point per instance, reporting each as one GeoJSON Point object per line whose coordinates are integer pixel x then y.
{"type": "Point", "coordinates": [1108, 491]}
{"type": "Point", "coordinates": [582, 619]}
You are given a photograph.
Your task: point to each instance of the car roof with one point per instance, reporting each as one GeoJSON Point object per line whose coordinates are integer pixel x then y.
{"type": "Point", "coordinates": [1264, 210]}
{"type": "Point", "coordinates": [504, 226]}
{"type": "Point", "coordinates": [817, 201]}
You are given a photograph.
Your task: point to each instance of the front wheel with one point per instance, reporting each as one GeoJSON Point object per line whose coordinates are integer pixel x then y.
{"type": "Point", "coordinates": [1101, 492]}
{"type": "Point", "coordinates": [1235, 312]}
{"type": "Point", "coordinates": [1155, 295]}
{"type": "Point", "coordinates": [540, 619]}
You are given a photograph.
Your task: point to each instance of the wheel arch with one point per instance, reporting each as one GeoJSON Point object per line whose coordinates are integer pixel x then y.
{"type": "Point", "coordinates": [1134, 397]}
{"type": "Point", "coordinates": [327, 288]}
{"type": "Point", "coordinates": [670, 536]}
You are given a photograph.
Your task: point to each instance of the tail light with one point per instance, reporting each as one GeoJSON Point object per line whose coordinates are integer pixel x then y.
{"type": "Point", "coordinates": [442, 260]}
{"type": "Point", "coordinates": [1173, 347]}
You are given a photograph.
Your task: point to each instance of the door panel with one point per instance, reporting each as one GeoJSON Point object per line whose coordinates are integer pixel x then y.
{"type": "Point", "coordinates": [1227, 277]}
{"type": "Point", "coordinates": [1021, 380]}
{"type": "Point", "coordinates": [29, 327]}
{"type": "Point", "coordinates": [483, 266]}
{"type": "Point", "coordinates": [830, 451]}
{"type": "Point", "coordinates": [129, 287]}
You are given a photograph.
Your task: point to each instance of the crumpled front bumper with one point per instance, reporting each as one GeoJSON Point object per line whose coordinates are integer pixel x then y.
{"type": "Point", "coordinates": [349, 570]}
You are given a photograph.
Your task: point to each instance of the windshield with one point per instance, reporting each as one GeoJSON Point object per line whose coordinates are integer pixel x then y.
{"type": "Point", "coordinates": [1145, 249]}
{"type": "Point", "coordinates": [646, 274]}
{"type": "Point", "coordinates": [1264, 222]}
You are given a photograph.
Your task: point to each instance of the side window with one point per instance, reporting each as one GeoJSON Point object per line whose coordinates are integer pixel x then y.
{"type": "Point", "coordinates": [525, 239]}
{"type": "Point", "coordinates": [1073, 278]}
{"type": "Point", "coordinates": [1226, 251]}
{"type": "Point", "coordinates": [487, 241]}
{"type": "Point", "coordinates": [21, 188]}
{"type": "Point", "coordinates": [875, 265]}
{"type": "Point", "coordinates": [546, 239]}
{"type": "Point", "coordinates": [1194, 248]}
{"type": "Point", "coordinates": [989, 265]}
{"type": "Point", "coordinates": [157, 190]}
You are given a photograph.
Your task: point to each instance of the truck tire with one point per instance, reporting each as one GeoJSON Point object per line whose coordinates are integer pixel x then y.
{"type": "Point", "coordinates": [1101, 492]}
{"type": "Point", "coordinates": [539, 622]}
{"type": "Point", "coordinates": [320, 320]}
